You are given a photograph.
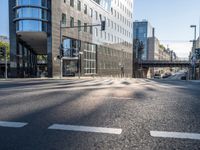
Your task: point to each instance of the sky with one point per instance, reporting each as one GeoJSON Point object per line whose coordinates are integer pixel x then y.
{"type": "Point", "coordinates": [172, 20]}
{"type": "Point", "coordinates": [4, 27]}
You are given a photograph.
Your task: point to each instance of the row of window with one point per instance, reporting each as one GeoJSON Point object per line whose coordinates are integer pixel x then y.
{"type": "Point", "coordinates": [92, 13]}
{"type": "Point", "coordinates": [32, 2]}
{"type": "Point", "coordinates": [109, 65]}
{"type": "Point", "coordinates": [102, 34]}
{"type": "Point", "coordinates": [112, 52]}
{"type": "Point", "coordinates": [124, 8]}
{"type": "Point", "coordinates": [31, 25]}
{"type": "Point", "coordinates": [98, 33]}
{"type": "Point", "coordinates": [26, 61]}
{"type": "Point", "coordinates": [120, 17]}
{"type": "Point", "coordinates": [29, 12]}
{"type": "Point", "coordinates": [89, 54]}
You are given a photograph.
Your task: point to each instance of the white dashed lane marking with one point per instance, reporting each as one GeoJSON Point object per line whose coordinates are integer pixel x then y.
{"type": "Point", "coordinates": [12, 124]}
{"type": "Point", "coordinates": [178, 135]}
{"type": "Point", "coordinates": [85, 129]}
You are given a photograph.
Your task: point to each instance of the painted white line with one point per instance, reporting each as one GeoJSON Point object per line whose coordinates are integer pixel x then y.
{"type": "Point", "coordinates": [12, 124]}
{"type": "Point", "coordinates": [125, 98]}
{"type": "Point", "coordinates": [179, 135]}
{"type": "Point", "coordinates": [85, 129]}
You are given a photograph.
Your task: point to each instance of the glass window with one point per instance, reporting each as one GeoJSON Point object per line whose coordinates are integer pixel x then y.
{"type": "Point", "coordinates": [72, 3]}
{"type": "Point", "coordinates": [91, 29]}
{"type": "Point", "coordinates": [31, 25]}
{"type": "Point", "coordinates": [85, 27]}
{"type": "Point", "coordinates": [91, 12]}
{"type": "Point", "coordinates": [79, 5]}
{"type": "Point", "coordinates": [90, 58]}
{"type": "Point", "coordinates": [96, 14]}
{"type": "Point", "coordinates": [85, 8]}
{"type": "Point", "coordinates": [31, 13]}
{"type": "Point", "coordinates": [32, 2]}
{"type": "Point", "coordinates": [79, 25]}
{"type": "Point", "coordinates": [64, 20]}
{"type": "Point", "coordinates": [71, 22]}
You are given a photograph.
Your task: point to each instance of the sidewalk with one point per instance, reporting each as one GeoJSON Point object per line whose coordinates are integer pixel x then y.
{"type": "Point", "coordinates": [195, 81]}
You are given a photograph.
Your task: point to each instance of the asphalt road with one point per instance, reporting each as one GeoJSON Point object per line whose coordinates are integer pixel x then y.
{"type": "Point", "coordinates": [135, 106]}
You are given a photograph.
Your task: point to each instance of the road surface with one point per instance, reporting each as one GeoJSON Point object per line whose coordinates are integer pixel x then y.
{"type": "Point", "coordinates": [99, 114]}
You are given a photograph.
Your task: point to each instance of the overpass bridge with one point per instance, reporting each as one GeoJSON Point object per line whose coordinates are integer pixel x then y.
{"type": "Point", "coordinates": [142, 67]}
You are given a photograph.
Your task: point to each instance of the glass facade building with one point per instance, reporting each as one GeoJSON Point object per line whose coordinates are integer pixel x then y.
{"type": "Point", "coordinates": [142, 31]}
{"type": "Point", "coordinates": [35, 33]}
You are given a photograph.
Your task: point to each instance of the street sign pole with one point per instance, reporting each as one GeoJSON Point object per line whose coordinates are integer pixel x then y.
{"type": "Point", "coordinates": [61, 60]}
{"type": "Point", "coordinates": [6, 66]}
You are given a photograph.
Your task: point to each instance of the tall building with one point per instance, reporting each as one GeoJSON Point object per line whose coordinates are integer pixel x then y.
{"type": "Point", "coordinates": [142, 30]}
{"type": "Point", "coordinates": [35, 37]}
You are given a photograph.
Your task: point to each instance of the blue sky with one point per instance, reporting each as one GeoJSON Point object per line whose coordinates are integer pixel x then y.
{"type": "Point", "coordinates": [172, 20]}
{"type": "Point", "coordinates": [4, 28]}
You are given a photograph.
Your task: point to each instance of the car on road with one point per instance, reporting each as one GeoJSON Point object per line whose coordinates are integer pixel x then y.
{"type": "Point", "coordinates": [166, 75]}
{"type": "Point", "coordinates": [157, 76]}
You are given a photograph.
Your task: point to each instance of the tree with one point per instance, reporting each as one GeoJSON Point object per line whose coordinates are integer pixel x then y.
{"type": "Point", "coordinates": [7, 46]}
{"type": "Point", "coordinates": [138, 47]}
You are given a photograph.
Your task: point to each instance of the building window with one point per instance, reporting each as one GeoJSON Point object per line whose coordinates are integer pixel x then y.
{"type": "Point", "coordinates": [71, 22]}
{"type": "Point", "coordinates": [91, 12]}
{"type": "Point", "coordinates": [85, 9]}
{"type": "Point", "coordinates": [72, 3]}
{"type": "Point", "coordinates": [90, 58]}
{"type": "Point", "coordinates": [96, 14]}
{"type": "Point", "coordinates": [79, 25]}
{"type": "Point", "coordinates": [64, 20]}
{"type": "Point", "coordinates": [91, 29]}
{"type": "Point", "coordinates": [96, 32]}
{"type": "Point", "coordinates": [79, 5]}
{"type": "Point", "coordinates": [85, 27]}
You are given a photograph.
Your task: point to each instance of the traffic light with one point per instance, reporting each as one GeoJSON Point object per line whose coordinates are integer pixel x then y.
{"type": "Point", "coordinates": [197, 52]}
{"type": "Point", "coordinates": [103, 25]}
{"type": "Point", "coordinates": [2, 51]}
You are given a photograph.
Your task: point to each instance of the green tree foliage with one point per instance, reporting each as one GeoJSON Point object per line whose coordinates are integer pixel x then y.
{"type": "Point", "coordinates": [7, 46]}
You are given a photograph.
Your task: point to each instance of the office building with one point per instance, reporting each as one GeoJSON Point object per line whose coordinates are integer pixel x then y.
{"type": "Point", "coordinates": [142, 30]}
{"type": "Point", "coordinates": [35, 37]}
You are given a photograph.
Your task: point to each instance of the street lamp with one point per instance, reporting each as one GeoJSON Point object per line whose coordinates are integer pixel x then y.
{"type": "Point", "coordinates": [193, 52]}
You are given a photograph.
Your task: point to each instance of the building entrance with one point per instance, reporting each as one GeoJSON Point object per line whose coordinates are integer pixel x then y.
{"type": "Point", "coordinates": [70, 67]}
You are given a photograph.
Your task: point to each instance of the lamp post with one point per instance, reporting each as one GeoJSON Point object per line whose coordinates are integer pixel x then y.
{"type": "Point", "coordinates": [193, 51]}
{"type": "Point", "coordinates": [61, 49]}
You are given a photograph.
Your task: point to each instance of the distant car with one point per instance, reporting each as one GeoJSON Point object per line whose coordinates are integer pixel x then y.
{"type": "Point", "coordinates": [157, 76]}
{"type": "Point", "coordinates": [166, 75]}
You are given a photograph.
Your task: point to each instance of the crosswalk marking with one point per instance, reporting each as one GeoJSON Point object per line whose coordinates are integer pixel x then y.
{"type": "Point", "coordinates": [179, 135]}
{"type": "Point", "coordinates": [85, 129]}
{"type": "Point", "coordinates": [12, 124]}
